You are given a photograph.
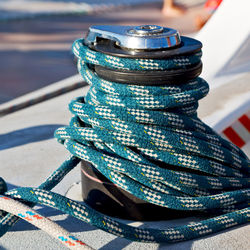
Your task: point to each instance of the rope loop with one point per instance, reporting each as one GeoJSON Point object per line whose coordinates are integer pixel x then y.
{"type": "Point", "coordinates": [149, 141]}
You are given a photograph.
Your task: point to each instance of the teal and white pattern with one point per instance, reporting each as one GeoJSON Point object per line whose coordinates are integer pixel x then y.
{"type": "Point", "coordinates": [124, 131]}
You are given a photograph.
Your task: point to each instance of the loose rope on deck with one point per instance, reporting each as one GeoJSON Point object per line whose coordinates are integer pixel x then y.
{"type": "Point", "coordinates": [26, 213]}
{"type": "Point", "coordinates": [127, 132]}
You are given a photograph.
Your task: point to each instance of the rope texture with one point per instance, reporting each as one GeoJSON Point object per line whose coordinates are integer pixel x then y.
{"type": "Point", "coordinates": [128, 132]}
{"type": "Point", "coordinates": [26, 213]}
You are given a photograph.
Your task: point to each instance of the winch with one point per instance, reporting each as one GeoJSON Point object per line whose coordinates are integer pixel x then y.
{"type": "Point", "coordinates": [145, 153]}
{"type": "Point", "coordinates": [135, 42]}
{"type": "Point", "coordinates": [143, 42]}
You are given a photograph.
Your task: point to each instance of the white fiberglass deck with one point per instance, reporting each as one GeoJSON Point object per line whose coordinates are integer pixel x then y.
{"type": "Point", "coordinates": [29, 154]}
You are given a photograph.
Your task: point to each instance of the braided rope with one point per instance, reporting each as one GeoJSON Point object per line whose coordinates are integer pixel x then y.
{"type": "Point", "coordinates": [31, 216]}
{"type": "Point", "coordinates": [126, 130]}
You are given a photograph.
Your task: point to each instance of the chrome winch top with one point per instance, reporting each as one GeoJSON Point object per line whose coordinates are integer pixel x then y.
{"type": "Point", "coordinates": [145, 41]}
{"type": "Point", "coordinates": [142, 42]}
{"type": "Point", "coordinates": [144, 37]}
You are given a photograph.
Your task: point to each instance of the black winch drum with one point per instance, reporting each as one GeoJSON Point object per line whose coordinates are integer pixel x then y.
{"type": "Point", "coordinates": [152, 42]}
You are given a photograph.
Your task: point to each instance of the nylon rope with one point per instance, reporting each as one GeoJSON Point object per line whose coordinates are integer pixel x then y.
{"type": "Point", "coordinates": [26, 213]}
{"type": "Point", "coordinates": [127, 132]}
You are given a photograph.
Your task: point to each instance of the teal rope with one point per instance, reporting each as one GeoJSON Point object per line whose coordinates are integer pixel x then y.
{"type": "Point", "coordinates": [124, 130]}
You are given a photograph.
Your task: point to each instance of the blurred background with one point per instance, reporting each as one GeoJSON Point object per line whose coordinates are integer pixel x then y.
{"type": "Point", "coordinates": [36, 35]}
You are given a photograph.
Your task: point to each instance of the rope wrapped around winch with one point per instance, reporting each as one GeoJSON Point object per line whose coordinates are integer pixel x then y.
{"type": "Point", "coordinates": [148, 141]}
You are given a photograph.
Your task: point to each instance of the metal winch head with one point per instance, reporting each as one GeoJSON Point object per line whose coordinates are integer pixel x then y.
{"type": "Point", "coordinates": [143, 42]}
{"type": "Point", "coordinates": [134, 39]}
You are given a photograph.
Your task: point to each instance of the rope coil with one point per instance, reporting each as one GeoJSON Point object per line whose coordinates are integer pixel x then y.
{"type": "Point", "coordinates": [149, 141]}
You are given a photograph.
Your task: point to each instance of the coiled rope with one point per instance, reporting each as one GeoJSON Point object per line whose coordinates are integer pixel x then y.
{"type": "Point", "coordinates": [128, 132]}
